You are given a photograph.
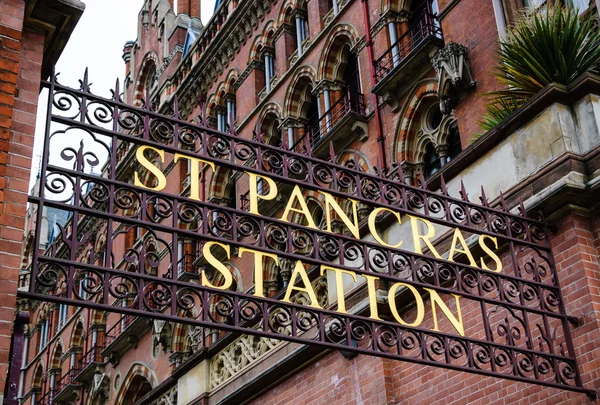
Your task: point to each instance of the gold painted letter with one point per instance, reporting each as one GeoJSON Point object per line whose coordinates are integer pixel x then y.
{"type": "Point", "coordinates": [436, 299]}
{"type": "Point", "coordinates": [490, 252]}
{"type": "Point", "coordinates": [330, 202]}
{"type": "Point", "coordinates": [372, 292]}
{"type": "Point", "coordinates": [299, 270]}
{"type": "Point", "coordinates": [373, 229]}
{"type": "Point", "coordinates": [254, 196]}
{"type": "Point", "coordinates": [139, 155]}
{"type": "Point", "coordinates": [418, 301]}
{"type": "Point", "coordinates": [458, 237]}
{"type": "Point", "coordinates": [339, 285]}
{"type": "Point", "coordinates": [258, 268]}
{"type": "Point", "coordinates": [220, 267]}
{"type": "Point", "coordinates": [194, 173]}
{"type": "Point", "coordinates": [417, 238]}
{"type": "Point", "coordinates": [297, 195]}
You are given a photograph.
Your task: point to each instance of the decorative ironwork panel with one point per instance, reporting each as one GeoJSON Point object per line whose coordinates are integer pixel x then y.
{"type": "Point", "coordinates": [125, 246]}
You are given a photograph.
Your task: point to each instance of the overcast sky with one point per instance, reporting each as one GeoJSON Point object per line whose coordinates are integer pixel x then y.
{"type": "Point", "coordinates": [97, 43]}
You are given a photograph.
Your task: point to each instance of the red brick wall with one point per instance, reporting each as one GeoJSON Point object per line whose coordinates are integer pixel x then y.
{"type": "Point", "coordinates": [20, 68]}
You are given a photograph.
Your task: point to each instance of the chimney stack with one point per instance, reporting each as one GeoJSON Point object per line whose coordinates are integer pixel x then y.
{"type": "Point", "coordinates": [189, 7]}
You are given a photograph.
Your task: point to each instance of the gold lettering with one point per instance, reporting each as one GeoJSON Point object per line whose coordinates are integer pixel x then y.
{"type": "Point", "coordinates": [339, 285]}
{"type": "Point", "coordinates": [258, 268]}
{"type": "Point", "coordinates": [220, 267]}
{"type": "Point", "coordinates": [194, 173]}
{"type": "Point", "coordinates": [372, 292]}
{"type": "Point", "coordinates": [417, 238]}
{"type": "Point", "coordinates": [299, 270]}
{"type": "Point", "coordinates": [254, 196]}
{"type": "Point", "coordinates": [490, 252]}
{"type": "Point", "coordinates": [458, 237]}
{"type": "Point", "coordinates": [297, 195]}
{"type": "Point", "coordinates": [330, 202]}
{"type": "Point", "coordinates": [418, 300]}
{"type": "Point", "coordinates": [373, 229]}
{"type": "Point", "coordinates": [139, 155]}
{"type": "Point", "coordinates": [436, 299]}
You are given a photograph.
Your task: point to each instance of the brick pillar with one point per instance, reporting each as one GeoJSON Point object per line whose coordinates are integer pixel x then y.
{"type": "Point", "coordinates": [189, 7]}
{"type": "Point", "coordinates": [21, 54]}
{"type": "Point", "coordinates": [183, 7]}
{"type": "Point", "coordinates": [195, 8]}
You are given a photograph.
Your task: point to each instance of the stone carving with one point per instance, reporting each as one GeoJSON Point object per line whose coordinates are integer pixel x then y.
{"type": "Point", "coordinates": [249, 350]}
{"type": "Point", "coordinates": [451, 64]}
{"type": "Point", "coordinates": [168, 398]}
{"type": "Point", "coordinates": [100, 387]}
{"type": "Point", "coordinates": [161, 335]}
{"type": "Point", "coordinates": [238, 356]}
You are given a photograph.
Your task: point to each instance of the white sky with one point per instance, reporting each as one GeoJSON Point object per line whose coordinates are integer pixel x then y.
{"type": "Point", "coordinates": [97, 43]}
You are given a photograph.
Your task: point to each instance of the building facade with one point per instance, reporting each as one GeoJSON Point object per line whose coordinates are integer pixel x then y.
{"type": "Point", "coordinates": [32, 37]}
{"type": "Point", "coordinates": [378, 86]}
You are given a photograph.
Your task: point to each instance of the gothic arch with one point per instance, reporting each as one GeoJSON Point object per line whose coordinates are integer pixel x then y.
{"type": "Point", "coordinates": [267, 118]}
{"type": "Point", "coordinates": [98, 317]}
{"type": "Point", "coordinates": [56, 357]}
{"type": "Point", "coordinates": [356, 160]}
{"type": "Point", "coordinates": [134, 382]}
{"type": "Point", "coordinates": [406, 143]}
{"type": "Point", "coordinates": [221, 183]}
{"type": "Point", "coordinates": [331, 57]}
{"type": "Point", "coordinates": [395, 5]}
{"type": "Point", "coordinates": [265, 39]}
{"type": "Point", "coordinates": [296, 95]}
{"type": "Point", "coordinates": [211, 105]}
{"type": "Point", "coordinates": [285, 12]}
{"type": "Point", "coordinates": [76, 340]}
{"type": "Point", "coordinates": [38, 376]}
{"type": "Point", "coordinates": [149, 64]}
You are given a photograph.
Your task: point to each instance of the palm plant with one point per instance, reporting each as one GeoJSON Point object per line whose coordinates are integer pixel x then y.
{"type": "Point", "coordinates": [550, 46]}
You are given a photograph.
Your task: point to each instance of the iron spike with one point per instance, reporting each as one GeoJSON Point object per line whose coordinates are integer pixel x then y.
{"type": "Point", "coordinates": [400, 173]}
{"type": "Point", "coordinates": [423, 184]}
{"type": "Point", "coordinates": [379, 171]}
{"type": "Point", "coordinates": [117, 91]}
{"type": "Point", "coordinates": [147, 100]}
{"type": "Point", "coordinates": [85, 81]}
{"type": "Point", "coordinates": [284, 142]}
{"type": "Point", "coordinates": [176, 107]}
{"type": "Point", "coordinates": [522, 207]}
{"type": "Point", "coordinates": [503, 202]}
{"type": "Point", "coordinates": [463, 192]}
{"type": "Point", "coordinates": [331, 152]}
{"type": "Point", "coordinates": [256, 132]}
{"type": "Point", "coordinates": [483, 198]}
{"type": "Point", "coordinates": [443, 185]}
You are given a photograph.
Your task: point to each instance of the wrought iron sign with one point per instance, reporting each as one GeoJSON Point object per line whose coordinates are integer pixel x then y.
{"type": "Point", "coordinates": [454, 284]}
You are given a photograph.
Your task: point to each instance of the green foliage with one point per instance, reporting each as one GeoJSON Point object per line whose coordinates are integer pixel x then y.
{"type": "Point", "coordinates": [554, 45]}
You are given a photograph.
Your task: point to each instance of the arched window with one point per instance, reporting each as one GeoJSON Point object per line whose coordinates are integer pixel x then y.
{"type": "Point", "coordinates": [431, 161]}
{"type": "Point", "coordinates": [299, 22]}
{"type": "Point", "coordinates": [138, 388]}
{"type": "Point", "coordinates": [270, 131]}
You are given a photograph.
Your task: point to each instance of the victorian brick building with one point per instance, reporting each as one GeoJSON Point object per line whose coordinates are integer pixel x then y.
{"type": "Point", "coordinates": [378, 86]}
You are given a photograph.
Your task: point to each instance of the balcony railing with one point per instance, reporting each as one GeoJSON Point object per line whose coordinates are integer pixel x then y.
{"type": "Point", "coordinates": [428, 26]}
{"type": "Point", "coordinates": [187, 265]}
{"type": "Point", "coordinates": [90, 358]}
{"type": "Point", "coordinates": [66, 387]}
{"type": "Point", "coordinates": [119, 328]}
{"type": "Point", "coordinates": [349, 102]}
